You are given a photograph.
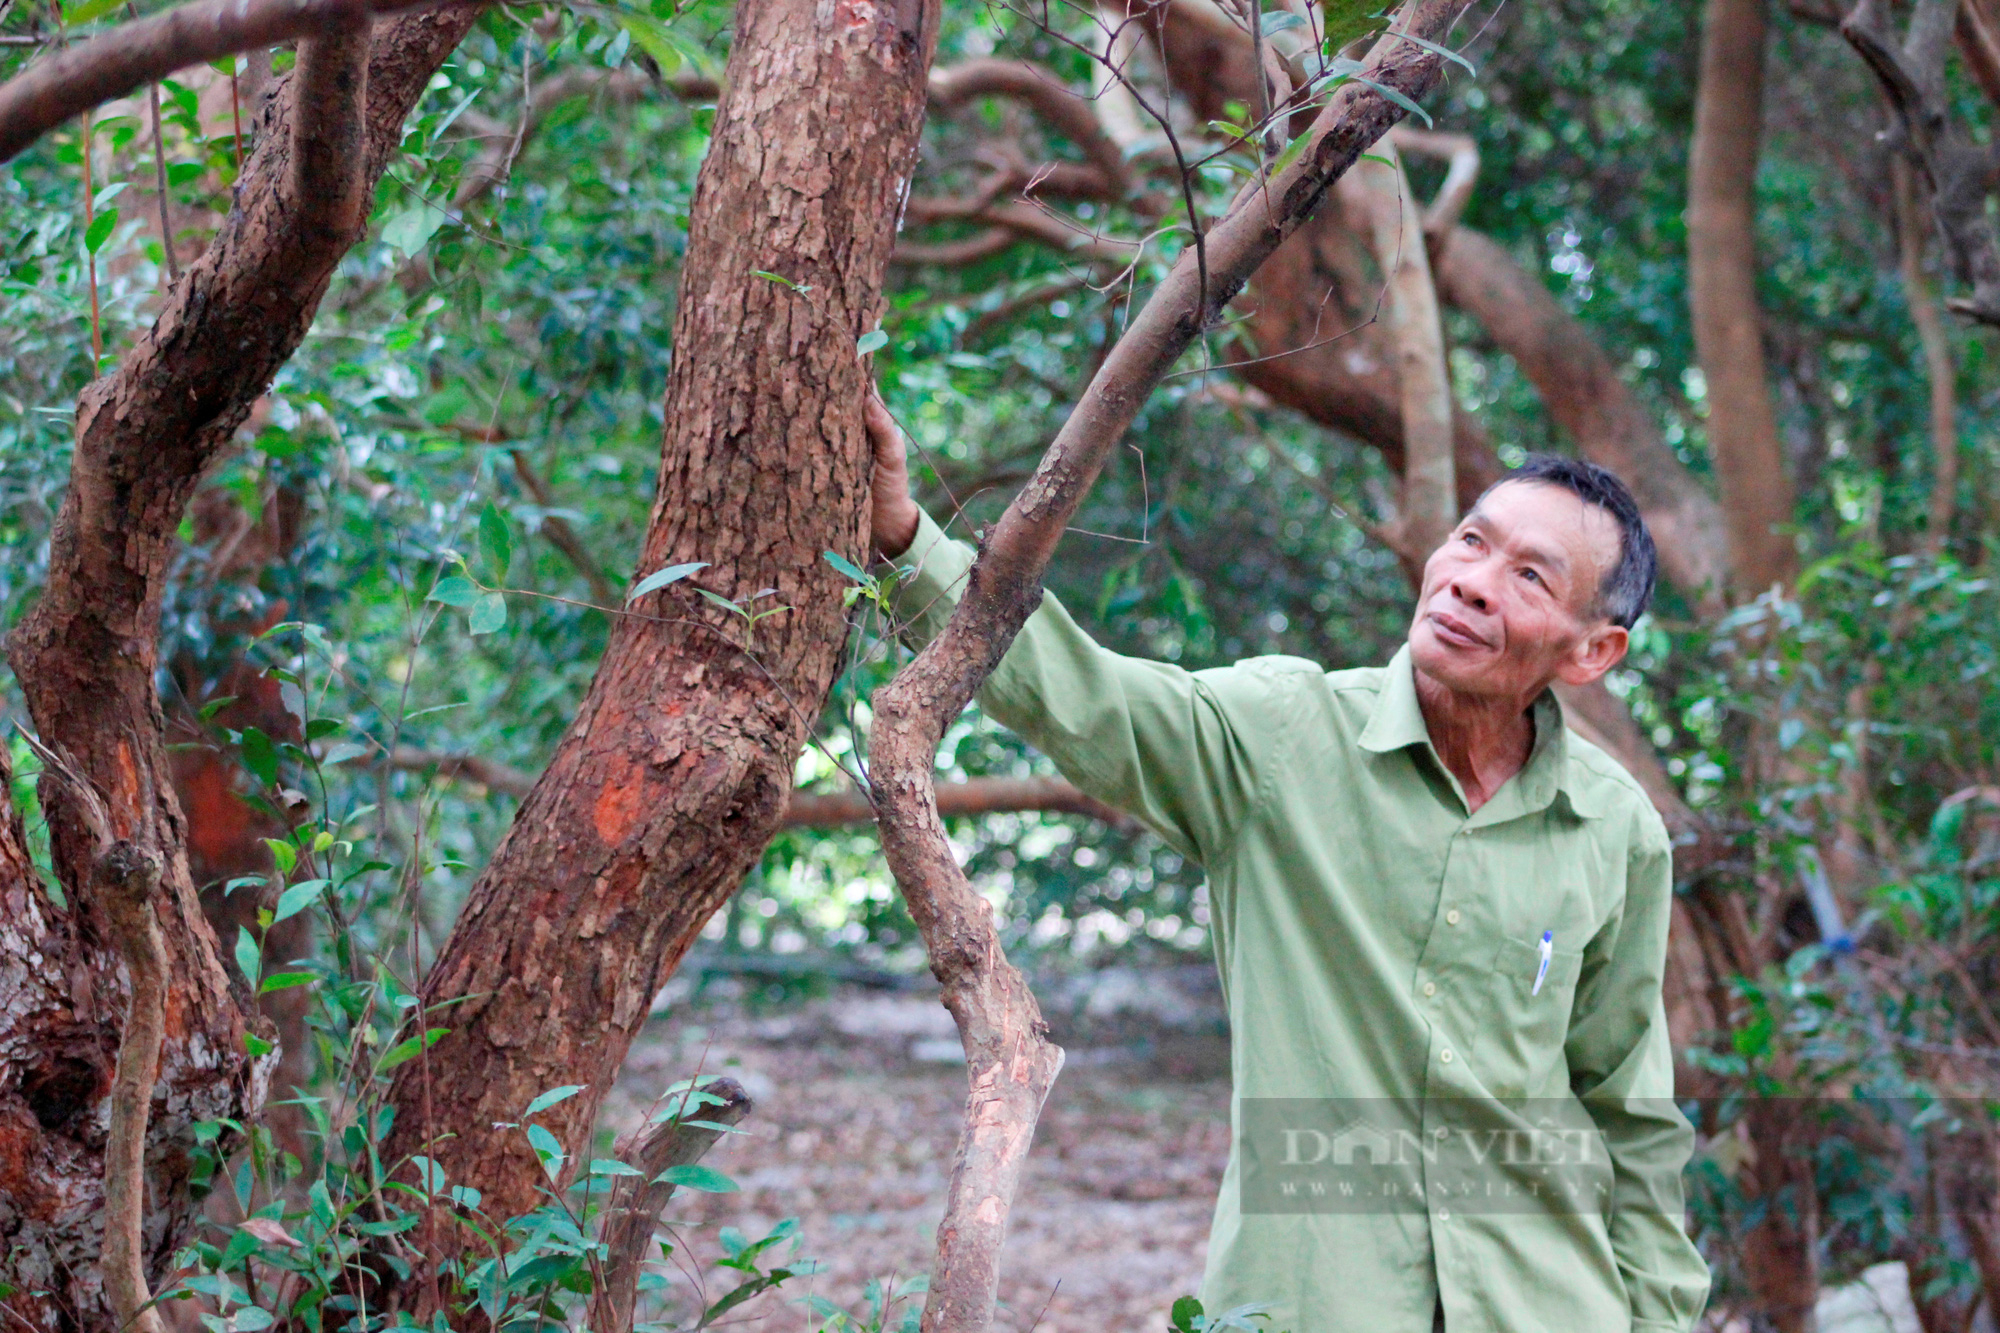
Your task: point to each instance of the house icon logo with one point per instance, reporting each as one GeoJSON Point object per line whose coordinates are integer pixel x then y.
{"type": "Point", "coordinates": [1362, 1144]}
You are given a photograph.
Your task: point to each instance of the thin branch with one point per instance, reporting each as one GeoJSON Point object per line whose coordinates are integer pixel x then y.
{"type": "Point", "coordinates": [636, 1201]}
{"type": "Point", "coordinates": [561, 535]}
{"type": "Point", "coordinates": [126, 876]}
{"type": "Point", "coordinates": [1061, 107]}
{"type": "Point", "coordinates": [64, 85]}
{"type": "Point", "coordinates": [973, 796]}
{"type": "Point", "coordinates": [1461, 154]}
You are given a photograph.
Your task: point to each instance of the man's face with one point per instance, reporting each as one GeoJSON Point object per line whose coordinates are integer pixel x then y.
{"type": "Point", "coordinates": [1509, 601]}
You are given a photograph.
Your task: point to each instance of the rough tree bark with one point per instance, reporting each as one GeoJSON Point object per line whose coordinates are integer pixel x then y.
{"type": "Point", "coordinates": [1010, 1061]}
{"type": "Point", "coordinates": [85, 659]}
{"type": "Point", "coordinates": [1722, 276]}
{"type": "Point", "coordinates": [677, 767]}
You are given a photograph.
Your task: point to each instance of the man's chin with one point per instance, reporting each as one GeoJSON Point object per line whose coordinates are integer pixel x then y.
{"type": "Point", "coordinates": [1454, 666]}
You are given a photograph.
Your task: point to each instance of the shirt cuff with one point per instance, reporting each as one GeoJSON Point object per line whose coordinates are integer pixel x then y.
{"type": "Point", "coordinates": [934, 568]}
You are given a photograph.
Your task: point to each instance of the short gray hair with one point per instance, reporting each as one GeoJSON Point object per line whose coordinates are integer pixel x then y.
{"type": "Point", "coordinates": [1627, 589]}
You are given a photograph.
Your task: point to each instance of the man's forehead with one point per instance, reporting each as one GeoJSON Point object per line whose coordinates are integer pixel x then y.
{"type": "Point", "coordinates": [1548, 521]}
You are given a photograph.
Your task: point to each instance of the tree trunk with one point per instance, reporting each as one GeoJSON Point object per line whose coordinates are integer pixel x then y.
{"type": "Point", "coordinates": [85, 657]}
{"type": "Point", "coordinates": [678, 766]}
{"type": "Point", "coordinates": [1429, 506]}
{"type": "Point", "coordinates": [1722, 273]}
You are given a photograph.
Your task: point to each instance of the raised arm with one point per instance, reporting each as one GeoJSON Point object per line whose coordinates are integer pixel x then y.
{"type": "Point", "coordinates": [1181, 750]}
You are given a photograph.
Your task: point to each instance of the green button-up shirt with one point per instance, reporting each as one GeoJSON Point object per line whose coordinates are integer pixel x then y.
{"type": "Point", "coordinates": [1381, 954]}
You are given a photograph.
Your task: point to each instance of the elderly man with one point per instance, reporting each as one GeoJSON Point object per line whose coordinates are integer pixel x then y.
{"type": "Point", "coordinates": [1440, 922]}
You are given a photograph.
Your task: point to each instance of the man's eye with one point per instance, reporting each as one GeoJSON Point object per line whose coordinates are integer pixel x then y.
{"type": "Point", "coordinates": [1531, 576]}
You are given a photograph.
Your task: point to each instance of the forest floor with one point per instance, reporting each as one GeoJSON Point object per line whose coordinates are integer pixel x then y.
{"type": "Point", "coordinates": [858, 1096]}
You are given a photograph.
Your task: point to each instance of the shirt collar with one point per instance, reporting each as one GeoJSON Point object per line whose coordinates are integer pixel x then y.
{"type": "Point", "coordinates": [1397, 722]}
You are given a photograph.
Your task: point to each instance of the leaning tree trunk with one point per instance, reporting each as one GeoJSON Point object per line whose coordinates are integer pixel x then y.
{"type": "Point", "coordinates": [1722, 279]}
{"type": "Point", "coordinates": [85, 657]}
{"type": "Point", "coordinates": [677, 768]}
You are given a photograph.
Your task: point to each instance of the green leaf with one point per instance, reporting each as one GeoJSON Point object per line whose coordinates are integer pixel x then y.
{"type": "Point", "coordinates": [696, 1177]}
{"type": "Point", "coordinates": [611, 1166]}
{"type": "Point", "coordinates": [660, 578]}
{"type": "Point", "coordinates": [249, 958]}
{"type": "Point", "coordinates": [846, 566]}
{"type": "Point", "coordinates": [1395, 97]}
{"type": "Point", "coordinates": [260, 756]}
{"type": "Point", "coordinates": [723, 602]}
{"type": "Point", "coordinates": [180, 173]}
{"type": "Point", "coordinates": [551, 1097]}
{"type": "Point", "coordinates": [488, 613]}
{"type": "Point", "coordinates": [297, 898]}
{"type": "Point", "coordinates": [1347, 21]}
{"type": "Point", "coordinates": [284, 853]}
{"type": "Point", "coordinates": [100, 230]}
{"type": "Point", "coordinates": [654, 39]}
{"type": "Point", "coordinates": [1280, 20]}
{"type": "Point", "coordinates": [800, 287]}
{"type": "Point", "coordinates": [1186, 1316]}
{"type": "Point", "coordinates": [873, 340]}
{"type": "Point", "coordinates": [404, 1051]}
{"type": "Point", "coordinates": [455, 591]}
{"type": "Point", "coordinates": [256, 1046]}
{"type": "Point", "coordinates": [87, 11]}
{"type": "Point", "coordinates": [286, 980]}
{"type": "Point", "coordinates": [547, 1148]}
{"type": "Point", "coordinates": [496, 542]}
{"type": "Point", "coordinates": [410, 230]}
{"type": "Point", "coordinates": [1437, 50]}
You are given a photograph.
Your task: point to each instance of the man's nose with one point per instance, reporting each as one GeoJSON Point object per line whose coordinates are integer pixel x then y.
{"type": "Point", "coordinates": [1470, 590]}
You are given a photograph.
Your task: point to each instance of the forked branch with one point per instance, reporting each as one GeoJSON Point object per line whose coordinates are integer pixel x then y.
{"type": "Point", "coordinates": [1010, 1060]}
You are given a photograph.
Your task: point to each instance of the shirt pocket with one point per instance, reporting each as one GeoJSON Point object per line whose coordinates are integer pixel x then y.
{"type": "Point", "coordinates": [1527, 1026]}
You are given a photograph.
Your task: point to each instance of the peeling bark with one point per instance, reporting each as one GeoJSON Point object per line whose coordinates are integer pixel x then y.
{"type": "Point", "coordinates": [676, 770]}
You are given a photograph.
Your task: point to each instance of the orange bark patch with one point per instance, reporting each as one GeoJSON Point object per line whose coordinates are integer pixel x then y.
{"type": "Point", "coordinates": [620, 801]}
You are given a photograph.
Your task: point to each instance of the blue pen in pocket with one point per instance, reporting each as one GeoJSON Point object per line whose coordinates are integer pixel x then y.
{"type": "Point", "coordinates": [1547, 949]}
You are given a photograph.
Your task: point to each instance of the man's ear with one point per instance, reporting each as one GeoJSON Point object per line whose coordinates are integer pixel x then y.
{"type": "Point", "coordinates": [1595, 653]}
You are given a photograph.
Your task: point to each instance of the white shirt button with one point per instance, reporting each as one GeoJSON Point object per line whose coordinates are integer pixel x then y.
{"type": "Point", "coordinates": [1446, 1057]}
{"type": "Point", "coordinates": [1444, 1214]}
{"type": "Point", "coordinates": [1451, 917]}
{"type": "Point", "coordinates": [1430, 988]}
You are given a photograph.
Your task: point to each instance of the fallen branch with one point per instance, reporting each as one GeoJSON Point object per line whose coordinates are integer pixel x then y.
{"type": "Point", "coordinates": [1010, 1060]}
{"type": "Point", "coordinates": [636, 1201]}
{"type": "Point", "coordinates": [63, 86]}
